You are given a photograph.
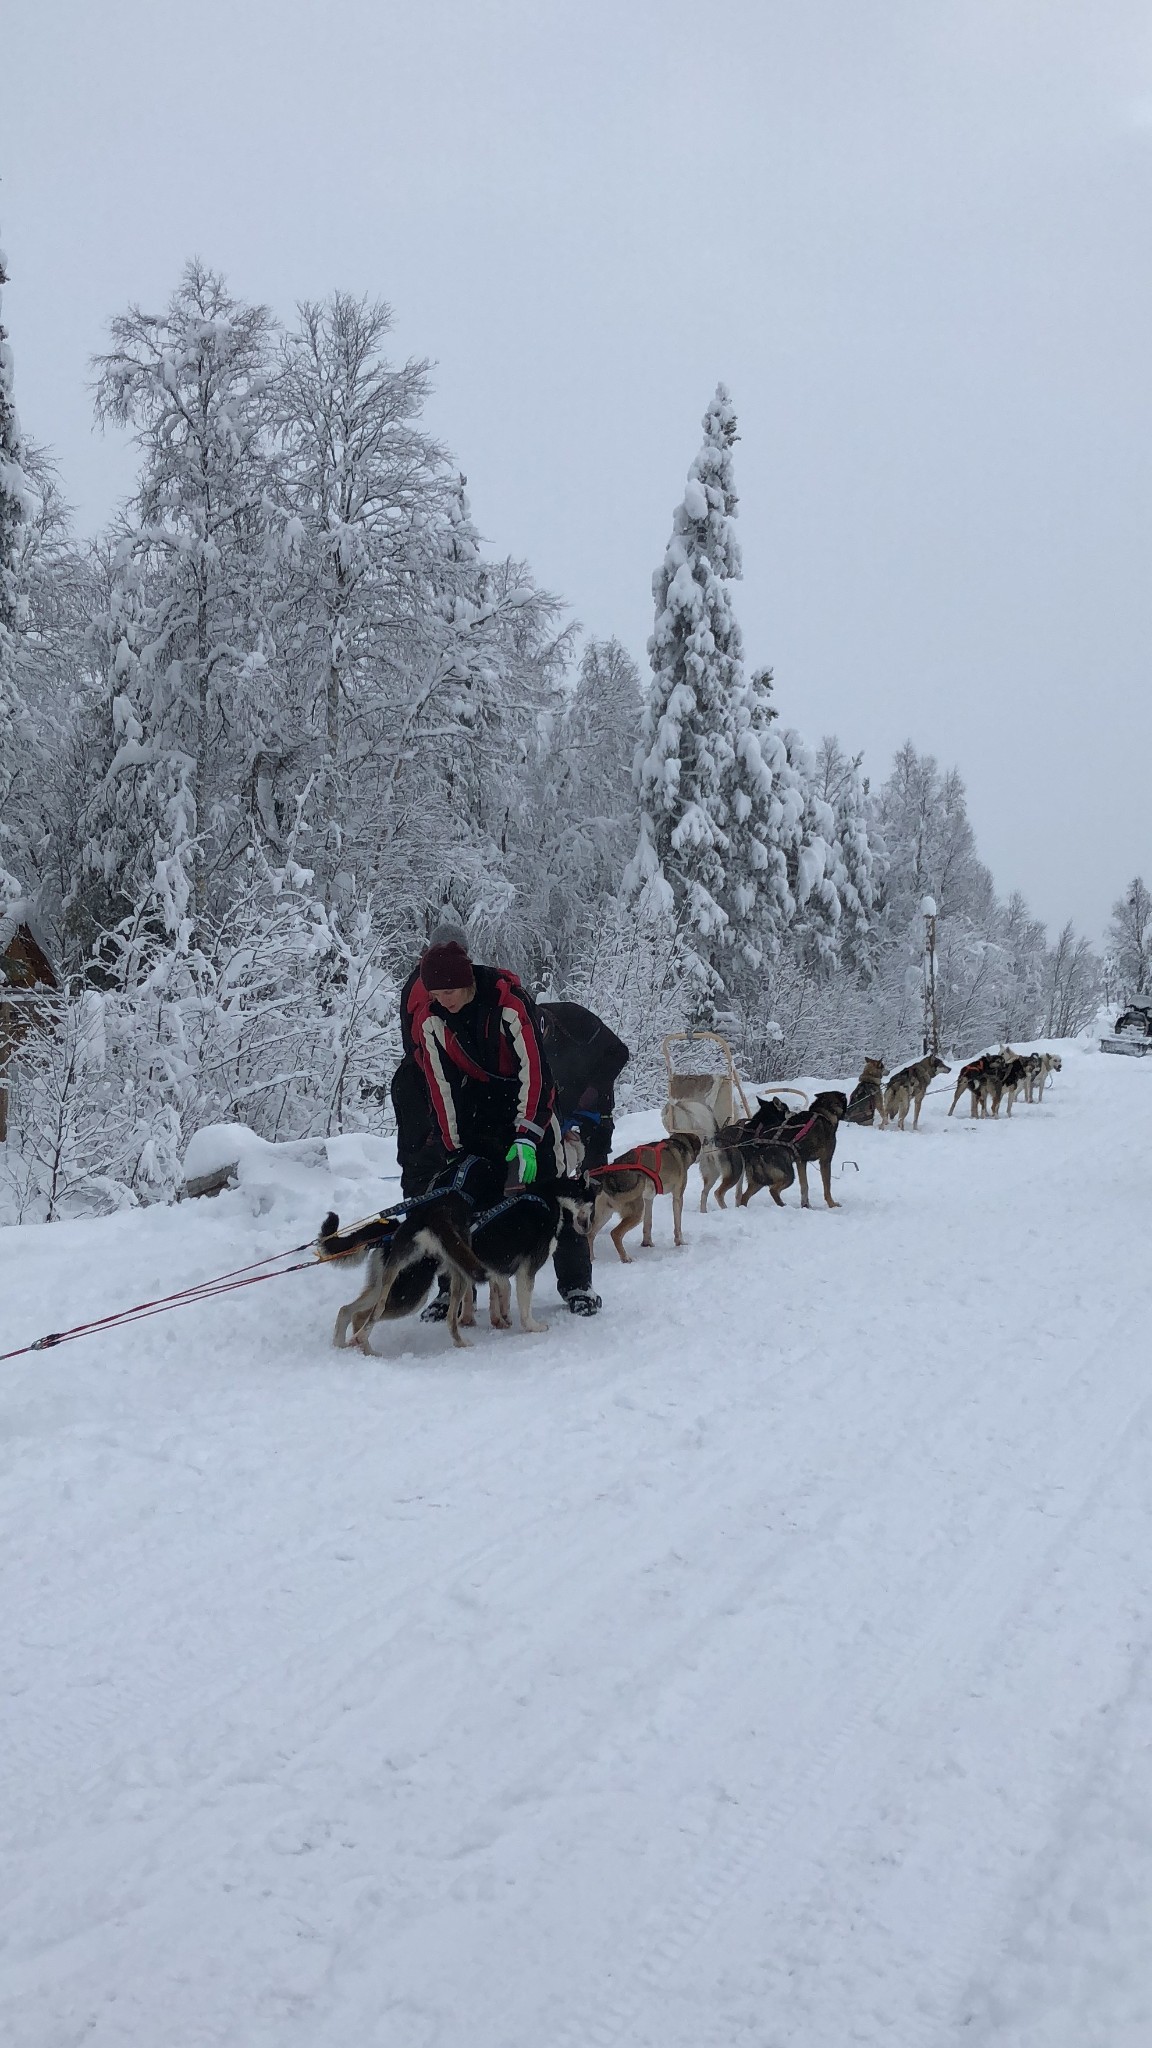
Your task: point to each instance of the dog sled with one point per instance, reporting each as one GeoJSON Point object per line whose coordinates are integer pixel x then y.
{"type": "Point", "coordinates": [708, 1094]}
{"type": "Point", "coordinates": [1133, 1032]}
{"type": "Point", "coordinates": [705, 1098]}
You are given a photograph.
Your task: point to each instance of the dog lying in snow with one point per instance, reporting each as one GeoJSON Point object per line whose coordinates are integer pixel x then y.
{"type": "Point", "coordinates": [628, 1188]}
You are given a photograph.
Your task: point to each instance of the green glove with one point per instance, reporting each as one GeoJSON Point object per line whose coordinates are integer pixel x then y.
{"type": "Point", "coordinates": [522, 1155]}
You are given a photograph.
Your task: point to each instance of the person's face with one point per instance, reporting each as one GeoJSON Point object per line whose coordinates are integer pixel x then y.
{"type": "Point", "coordinates": [453, 999]}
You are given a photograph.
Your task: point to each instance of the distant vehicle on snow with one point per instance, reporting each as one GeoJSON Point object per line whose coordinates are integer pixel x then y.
{"type": "Point", "coordinates": [1132, 1032]}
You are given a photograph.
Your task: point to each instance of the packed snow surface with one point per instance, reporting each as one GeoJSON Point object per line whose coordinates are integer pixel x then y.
{"type": "Point", "coordinates": [765, 1662]}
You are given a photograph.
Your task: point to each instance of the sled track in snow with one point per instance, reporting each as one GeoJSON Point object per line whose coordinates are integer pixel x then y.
{"type": "Point", "coordinates": [842, 1761]}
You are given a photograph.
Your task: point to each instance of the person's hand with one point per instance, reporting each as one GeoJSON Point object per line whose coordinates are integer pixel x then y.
{"type": "Point", "coordinates": [522, 1155]}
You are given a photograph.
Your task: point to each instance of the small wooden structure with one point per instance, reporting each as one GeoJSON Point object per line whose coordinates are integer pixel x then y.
{"type": "Point", "coordinates": [24, 968]}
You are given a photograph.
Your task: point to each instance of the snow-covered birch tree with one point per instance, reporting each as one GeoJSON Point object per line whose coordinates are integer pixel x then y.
{"type": "Point", "coordinates": [194, 385]}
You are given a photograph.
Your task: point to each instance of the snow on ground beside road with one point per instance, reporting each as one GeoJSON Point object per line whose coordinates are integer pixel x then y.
{"type": "Point", "coordinates": [765, 1662]}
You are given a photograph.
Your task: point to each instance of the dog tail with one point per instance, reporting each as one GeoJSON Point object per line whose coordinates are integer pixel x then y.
{"type": "Point", "coordinates": [355, 1241]}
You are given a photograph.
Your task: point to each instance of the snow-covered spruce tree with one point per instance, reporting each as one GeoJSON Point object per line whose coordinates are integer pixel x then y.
{"type": "Point", "coordinates": [817, 874]}
{"type": "Point", "coordinates": [861, 859]}
{"type": "Point", "coordinates": [194, 384]}
{"type": "Point", "coordinates": [766, 809]}
{"type": "Point", "coordinates": [56, 595]}
{"type": "Point", "coordinates": [17, 736]}
{"type": "Point", "coordinates": [1129, 942]}
{"type": "Point", "coordinates": [686, 760]}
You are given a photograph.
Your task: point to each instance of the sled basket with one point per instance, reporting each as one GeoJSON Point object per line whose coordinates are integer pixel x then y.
{"type": "Point", "coordinates": [720, 1090]}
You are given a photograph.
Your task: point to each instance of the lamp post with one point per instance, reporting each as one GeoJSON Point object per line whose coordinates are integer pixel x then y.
{"type": "Point", "coordinates": [931, 1007]}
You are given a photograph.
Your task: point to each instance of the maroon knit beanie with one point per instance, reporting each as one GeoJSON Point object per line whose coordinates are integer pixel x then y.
{"type": "Point", "coordinates": [446, 967]}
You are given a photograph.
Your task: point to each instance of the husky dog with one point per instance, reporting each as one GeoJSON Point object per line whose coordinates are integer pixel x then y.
{"type": "Point", "coordinates": [977, 1077]}
{"type": "Point", "coordinates": [510, 1241]}
{"type": "Point", "coordinates": [723, 1159]}
{"type": "Point", "coordinates": [699, 1105]}
{"type": "Point", "coordinates": [1037, 1067]}
{"type": "Point", "coordinates": [405, 1255]}
{"type": "Point", "coordinates": [908, 1088]}
{"type": "Point", "coordinates": [866, 1101]}
{"type": "Point", "coordinates": [989, 1078]}
{"type": "Point", "coordinates": [807, 1137]}
{"type": "Point", "coordinates": [519, 1236]}
{"type": "Point", "coordinates": [1050, 1063]}
{"type": "Point", "coordinates": [628, 1188]}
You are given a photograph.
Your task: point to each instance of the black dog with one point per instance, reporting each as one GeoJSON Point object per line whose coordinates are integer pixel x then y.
{"type": "Point", "coordinates": [807, 1137]}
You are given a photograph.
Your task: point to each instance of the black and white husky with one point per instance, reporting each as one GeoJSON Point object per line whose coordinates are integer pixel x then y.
{"type": "Point", "coordinates": [507, 1242]}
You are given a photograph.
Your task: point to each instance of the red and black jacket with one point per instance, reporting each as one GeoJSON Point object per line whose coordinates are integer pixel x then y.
{"type": "Point", "coordinates": [484, 1069]}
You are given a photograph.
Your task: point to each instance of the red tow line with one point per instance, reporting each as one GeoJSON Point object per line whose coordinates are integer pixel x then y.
{"type": "Point", "coordinates": [204, 1290]}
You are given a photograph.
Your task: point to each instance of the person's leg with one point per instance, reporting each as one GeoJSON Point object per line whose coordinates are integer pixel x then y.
{"type": "Point", "coordinates": [572, 1259]}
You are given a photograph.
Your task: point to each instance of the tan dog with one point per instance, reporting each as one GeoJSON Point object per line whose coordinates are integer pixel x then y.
{"type": "Point", "coordinates": [909, 1087]}
{"type": "Point", "coordinates": [629, 1186]}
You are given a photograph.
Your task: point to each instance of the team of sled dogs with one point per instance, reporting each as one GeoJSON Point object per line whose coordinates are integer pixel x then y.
{"type": "Point", "coordinates": [508, 1245]}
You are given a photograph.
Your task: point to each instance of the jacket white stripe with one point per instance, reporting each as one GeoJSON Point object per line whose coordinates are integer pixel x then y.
{"type": "Point", "coordinates": [515, 1030]}
{"type": "Point", "coordinates": [433, 1034]}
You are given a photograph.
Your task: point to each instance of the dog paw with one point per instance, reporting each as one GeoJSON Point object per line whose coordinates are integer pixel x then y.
{"type": "Point", "coordinates": [534, 1329]}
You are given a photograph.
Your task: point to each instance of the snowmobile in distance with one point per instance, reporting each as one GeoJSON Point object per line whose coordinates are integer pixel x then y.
{"type": "Point", "coordinates": [1132, 1033]}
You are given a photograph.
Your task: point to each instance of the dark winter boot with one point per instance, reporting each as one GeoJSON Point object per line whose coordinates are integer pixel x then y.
{"type": "Point", "coordinates": [582, 1302]}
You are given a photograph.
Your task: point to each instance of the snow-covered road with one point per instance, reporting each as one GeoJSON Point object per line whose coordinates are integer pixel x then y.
{"type": "Point", "coordinates": [766, 1662]}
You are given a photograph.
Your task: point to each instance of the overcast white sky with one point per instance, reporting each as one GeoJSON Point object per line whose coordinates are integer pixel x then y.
{"type": "Point", "coordinates": [911, 235]}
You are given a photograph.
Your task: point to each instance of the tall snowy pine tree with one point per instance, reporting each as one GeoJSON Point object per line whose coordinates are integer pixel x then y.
{"type": "Point", "coordinates": [686, 754]}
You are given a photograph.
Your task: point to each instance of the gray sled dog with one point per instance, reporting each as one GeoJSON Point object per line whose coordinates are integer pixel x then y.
{"type": "Point", "coordinates": [908, 1088]}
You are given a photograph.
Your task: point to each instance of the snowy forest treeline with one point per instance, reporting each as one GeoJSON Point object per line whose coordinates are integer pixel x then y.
{"type": "Point", "coordinates": [289, 710]}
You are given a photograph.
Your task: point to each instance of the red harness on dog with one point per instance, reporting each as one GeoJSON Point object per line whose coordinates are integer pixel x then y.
{"type": "Point", "coordinates": [627, 1165]}
{"type": "Point", "coordinates": [800, 1136]}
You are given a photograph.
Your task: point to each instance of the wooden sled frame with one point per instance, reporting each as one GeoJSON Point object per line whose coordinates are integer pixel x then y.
{"type": "Point", "coordinates": [729, 1071]}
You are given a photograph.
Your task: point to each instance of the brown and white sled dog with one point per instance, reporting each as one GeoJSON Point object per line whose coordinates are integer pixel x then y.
{"type": "Point", "coordinates": [808, 1137]}
{"type": "Point", "coordinates": [908, 1088]}
{"type": "Point", "coordinates": [628, 1188]}
{"type": "Point", "coordinates": [723, 1158]}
